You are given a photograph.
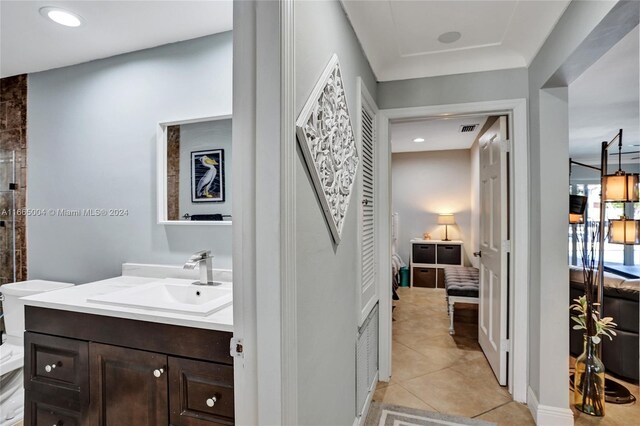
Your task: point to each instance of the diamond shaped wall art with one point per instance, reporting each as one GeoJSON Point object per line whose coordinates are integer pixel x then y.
{"type": "Point", "coordinates": [327, 141]}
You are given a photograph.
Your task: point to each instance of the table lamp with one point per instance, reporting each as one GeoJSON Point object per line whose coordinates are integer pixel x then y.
{"type": "Point", "coordinates": [446, 220]}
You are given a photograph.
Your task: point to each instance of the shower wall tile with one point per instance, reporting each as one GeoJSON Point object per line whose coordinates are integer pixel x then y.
{"type": "Point", "coordinates": [13, 136]}
{"type": "Point", "coordinates": [173, 172]}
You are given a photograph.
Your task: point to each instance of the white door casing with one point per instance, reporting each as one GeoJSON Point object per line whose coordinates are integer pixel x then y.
{"type": "Point", "coordinates": [516, 109]}
{"type": "Point", "coordinates": [367, 291]}
{"type": "Point", "coordinates": [494, 247]}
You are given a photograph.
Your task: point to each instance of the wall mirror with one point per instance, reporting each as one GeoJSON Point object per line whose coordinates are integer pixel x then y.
{"type": "Point", "coordinates": [194, 171]}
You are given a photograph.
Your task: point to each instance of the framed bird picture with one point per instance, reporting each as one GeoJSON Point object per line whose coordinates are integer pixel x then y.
{"type": "Point", "coordinates": [207, 176]}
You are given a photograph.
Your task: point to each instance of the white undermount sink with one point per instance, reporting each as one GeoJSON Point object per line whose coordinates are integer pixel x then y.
{"type": "Point", "coordinates": [166, 296]}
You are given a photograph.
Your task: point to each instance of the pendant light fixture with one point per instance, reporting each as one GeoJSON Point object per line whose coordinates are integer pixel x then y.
{"type": "Point", "coordinates": [624, 231]}
{"type": "Point", "coordinates": [621, 186]}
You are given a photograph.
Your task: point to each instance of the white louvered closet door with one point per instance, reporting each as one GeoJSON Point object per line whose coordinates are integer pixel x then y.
{"type": "Point", "coordinates": [368, 290]}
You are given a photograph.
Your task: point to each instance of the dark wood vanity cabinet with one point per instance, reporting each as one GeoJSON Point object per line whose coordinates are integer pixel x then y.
{"type": "Point", "coordinates": [83, 369]}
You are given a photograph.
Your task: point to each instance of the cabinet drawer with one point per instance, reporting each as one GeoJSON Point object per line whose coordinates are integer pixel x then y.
{"type": "Point", "coordinates": [449, 254]}
{"type": "Point", "coordinates": [424, 253]}
{"type": "Point", "coordinates": [41, 414]}
{"type": "Point", "coordinates": [200, 393]}
{"type": "Point", "coordinates": [56, 365]}
{"type": "Point", "coordinates": [424, 277]}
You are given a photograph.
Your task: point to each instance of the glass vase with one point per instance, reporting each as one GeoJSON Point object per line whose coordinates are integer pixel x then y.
{"type": "Point", "coordinates": [589, 380]}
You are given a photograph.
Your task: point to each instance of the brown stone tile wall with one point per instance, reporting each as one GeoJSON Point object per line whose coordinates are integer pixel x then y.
{"type": "Point", "coordinates": [13, 136]}
{"type": "Point", "coordinates": [173, 172]}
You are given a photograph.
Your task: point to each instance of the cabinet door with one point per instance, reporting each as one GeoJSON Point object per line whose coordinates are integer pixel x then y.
{"type": "Point", "coordinates": [41, 414]}
{"type": "Point", "coordinates": [128, 387]}
{"type": "Point", "coordinates": [200, 393]}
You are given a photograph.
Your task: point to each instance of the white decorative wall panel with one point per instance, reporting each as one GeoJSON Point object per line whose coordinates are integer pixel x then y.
{"type": "Point", "coordinates": [326, 137]}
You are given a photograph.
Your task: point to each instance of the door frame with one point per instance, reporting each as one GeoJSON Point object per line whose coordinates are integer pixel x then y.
{"type": "Point", "coordinates": [516, 110]}
{"type": "Point", "coordinates": [264, 237]}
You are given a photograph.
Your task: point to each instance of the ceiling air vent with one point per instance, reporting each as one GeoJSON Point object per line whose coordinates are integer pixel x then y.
{"type": "Point", "coordinates": [465, 128]}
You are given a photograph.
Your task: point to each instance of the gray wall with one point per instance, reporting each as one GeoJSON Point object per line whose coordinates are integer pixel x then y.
{"type": "Point", "coordinates": [548, 127]}
{"type": "Point", "coordinates": [452, 89]}
{"type": "Point", "coordinates": [92, 144]}
{"type": "Point", "coordinates": [327, 280]}
{"type": "Point", "coordinates": [418, 196]}
{"type": "Point", "coordinates": [198, 137]}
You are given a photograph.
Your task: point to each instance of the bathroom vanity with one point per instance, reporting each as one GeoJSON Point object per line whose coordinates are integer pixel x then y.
{"type": "Point", "coordinates": [88, 363]}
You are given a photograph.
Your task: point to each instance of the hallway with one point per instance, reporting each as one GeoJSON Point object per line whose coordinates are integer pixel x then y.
{"type": "Point", "coordinates": [437, 372]}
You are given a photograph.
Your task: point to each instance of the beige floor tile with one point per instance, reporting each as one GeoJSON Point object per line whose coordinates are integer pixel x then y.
{"type": "Point", "coordinates": [408, 364]}
{"type": "Point", "coordinates": [452, 342]}
{"type": "Point", "coordinates": [475, 365]}
{"type": "Point", "coordinates": [451, 392]}
{"type": "Point", "coordinates": [381, 385]}
{"type": "Point", "coordinates": [509, 414]}
{"type": "Point", "coordinates": [396, 394]}
{"type": "Point", "coordinates": [406, 332]}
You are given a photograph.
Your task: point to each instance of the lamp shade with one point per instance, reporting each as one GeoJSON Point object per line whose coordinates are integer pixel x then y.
{"type": "Point", "coordinates": [446, 219]}
{"type": "Point", "coordinates": [624, 231]}
{"type": "Point", "coordinates": [621, 187]}
{"type": "Point", "coordinates": [577, 204]}
{"type": "Point", "coordinates": [575, 218]}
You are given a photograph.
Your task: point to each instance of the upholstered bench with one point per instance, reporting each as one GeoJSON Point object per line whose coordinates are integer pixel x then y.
{"type": "Point", "coordinates": [462, 285]}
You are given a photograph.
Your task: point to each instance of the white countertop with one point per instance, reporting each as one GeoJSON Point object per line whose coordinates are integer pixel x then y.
{"type": "Point", "coordinates": [74, 299]}
{"type": "Point", "coordinates": [421, 241]}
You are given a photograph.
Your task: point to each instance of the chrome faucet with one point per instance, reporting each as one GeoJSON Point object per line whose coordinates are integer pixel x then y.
{"type": "Point", "coordinates": [202, 259]}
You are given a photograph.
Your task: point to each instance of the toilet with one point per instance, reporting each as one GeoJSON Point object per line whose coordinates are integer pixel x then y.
{"type": "Point", "coordinates": [12, 348]}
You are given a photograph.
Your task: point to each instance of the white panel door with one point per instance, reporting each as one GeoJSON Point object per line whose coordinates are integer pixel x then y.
{"type": "Point", "coordinates": [493, 307]}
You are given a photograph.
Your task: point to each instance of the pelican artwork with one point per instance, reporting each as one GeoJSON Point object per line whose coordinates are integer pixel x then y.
{"type": "Point", "coordinates": [205, 182]}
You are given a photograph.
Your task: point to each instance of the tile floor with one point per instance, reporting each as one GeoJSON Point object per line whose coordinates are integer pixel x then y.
{"type": "Point", "coordinates": [438, 372]}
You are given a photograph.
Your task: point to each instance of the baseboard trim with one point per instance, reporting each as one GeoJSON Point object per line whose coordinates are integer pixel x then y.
{"type": "Point", "coordinates": [546, 415]}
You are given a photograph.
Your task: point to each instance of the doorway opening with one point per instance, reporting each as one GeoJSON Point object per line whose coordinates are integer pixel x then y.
{"type": "Point", "coordinates": [442, 192]}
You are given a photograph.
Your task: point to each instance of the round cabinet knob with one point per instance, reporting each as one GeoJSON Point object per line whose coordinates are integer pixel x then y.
{"type": "Point", "coordinates": [158, 372]}
{"type": "Point", "coordinates": [49, 368]}
{"type": "Point", "coordinates": [212, 401]}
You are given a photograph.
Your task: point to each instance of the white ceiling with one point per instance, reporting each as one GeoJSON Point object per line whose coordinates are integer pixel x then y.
{"type": "Point", "coordinates": [400, 37]}
{"type": "Point", "coordinates": [606, 98]}
{"type": "Point", "coordinates": [30, 43]}
{"type": "Point", "coordinates": [438, 133]}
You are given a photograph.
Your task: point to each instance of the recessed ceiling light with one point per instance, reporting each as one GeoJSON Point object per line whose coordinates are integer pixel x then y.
{"type": "Point", "coordinates": [418, 140]}
{"type": "Point", "coordinates": [449, 37]}
{"type": "Point", "coordinates": [61, 16]}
